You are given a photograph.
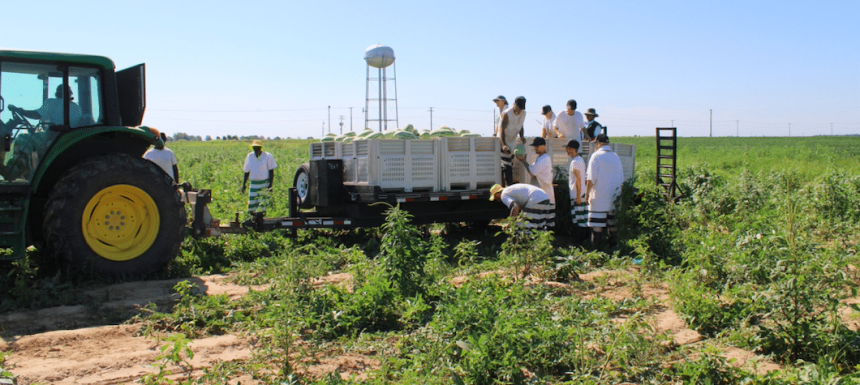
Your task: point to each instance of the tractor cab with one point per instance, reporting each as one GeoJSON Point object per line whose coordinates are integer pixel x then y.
{"type": "Point", "coordinates": [38, 102]}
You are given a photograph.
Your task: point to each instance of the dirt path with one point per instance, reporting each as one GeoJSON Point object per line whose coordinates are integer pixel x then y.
{"type": "Point", "coordinates": [69, 345]}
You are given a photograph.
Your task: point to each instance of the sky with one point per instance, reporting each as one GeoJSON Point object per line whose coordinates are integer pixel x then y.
{"type": "Point", "coordinates": [297, 69]}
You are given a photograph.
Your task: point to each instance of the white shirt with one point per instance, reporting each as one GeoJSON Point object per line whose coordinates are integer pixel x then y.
{"type": "Point", "coordinates": [607, 175]}
{"type": "Point", "coordinates": [163, 158]}
{"type": "Point", "coordinates": [576, 164]}
{"type": "Point", "coordinates": [542, 169]}
{"type": "Point", "coordinates": [522, 194]}
{"type": "Point", "coordinates": [515, 124]}
{"type": "Point", "coordinates": [259, 167]}
{"type": "Point", "coordinates": [570, 126]}
{"type": "Point", "coordinates": [547, 126]}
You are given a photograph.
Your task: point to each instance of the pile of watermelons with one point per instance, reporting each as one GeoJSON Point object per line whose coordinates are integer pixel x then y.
{"type": "Point", "coordinates": [407, 132]}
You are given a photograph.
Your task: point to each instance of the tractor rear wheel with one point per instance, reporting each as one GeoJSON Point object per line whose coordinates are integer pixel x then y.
{"type": "Point", "coordinates": [114, 215]}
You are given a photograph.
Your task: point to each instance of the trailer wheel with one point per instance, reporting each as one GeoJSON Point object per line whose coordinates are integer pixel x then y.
{"type": "Point", "coordinates": [302, 182]}
{"type": "Point", "coordinates": [114, 215]}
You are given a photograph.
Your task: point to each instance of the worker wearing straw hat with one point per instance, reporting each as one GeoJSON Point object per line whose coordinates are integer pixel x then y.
{"type": "Point", "coordinates": [260, 169]}
{"type": "Point", "coordinates": [524, 198]}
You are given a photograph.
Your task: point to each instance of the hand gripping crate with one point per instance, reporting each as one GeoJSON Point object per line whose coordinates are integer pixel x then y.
{"type": "Point", "coordinates": [470, 163]}
{"type": "Point", "coordinates": [393, 164]}
{"type": "Point", "coordinates": [326, 150]}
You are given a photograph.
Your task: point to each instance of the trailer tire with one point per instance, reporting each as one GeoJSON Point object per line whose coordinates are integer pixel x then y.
{"type": "Point", "coordinates": [302, 182]}
{"type": "Point", "coordinates": [114, 215]}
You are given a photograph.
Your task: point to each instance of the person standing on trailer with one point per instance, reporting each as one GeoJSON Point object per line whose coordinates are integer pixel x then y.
{"type": "Point", "coordinates": [569, 123]}
{"type": "Point", "coordinates": [163, 157]}
{"type": "Point", "coordinates": [502, 104]}
{"type": "Point", "coordinates": [577, 186]}
{"type": "Point", "coordinates": [260, 169]}
{"type": "Point", "coordinates": [541, 169]}
{"type": "Point", "coordinates": [592, 128]}
{"type": "Point", "coordinates": [511, 125]}
{"type": "Point", "coordinates": [604, 178]}
{"type": "Point", "coordinates": [524, 198]}
{"type": "Point", "coordinates": [548, 118]}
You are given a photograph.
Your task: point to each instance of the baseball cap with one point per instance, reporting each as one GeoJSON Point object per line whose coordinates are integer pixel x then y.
{"type": "Point", "coordinates": [602, 138]}
{"type": "Point", "coordinates": [538, 142]}
{"type": "Point", "coordinates": [500, 97]}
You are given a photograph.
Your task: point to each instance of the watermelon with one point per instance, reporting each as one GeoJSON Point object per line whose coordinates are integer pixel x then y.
{"type": "Point", "coordinates": [365, 133]}
{"type": "Point", "coordinates": [470, 135]}
{"type": "Point", "coordinates": [519, 150]}
{"type": "Point", "coordinates": [375, 135]}
{"type": "Point", "coordinates": [348, 139]}
{"type": "Point", "coordinates": [404, 135]}
{"type": "Point", "coordinates": [350, 134]}
{"type": "Point", "coordinates": [327, 139]}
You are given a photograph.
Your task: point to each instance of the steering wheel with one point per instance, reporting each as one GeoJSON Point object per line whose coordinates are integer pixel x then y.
{"type": "Point", "coordinates": [20, 120]}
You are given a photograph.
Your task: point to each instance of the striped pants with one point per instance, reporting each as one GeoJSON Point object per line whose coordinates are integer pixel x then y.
{"type": "Point", "coordinates": [602, 219]}
{"type": "Point", "coordinates": [508, 168]}
{"type": "Point", "coordinates": [579, 212]}
{"type": "Point", "coordinates": [257, 197]}
{"type": "Point", "coordinates": [539, 215]}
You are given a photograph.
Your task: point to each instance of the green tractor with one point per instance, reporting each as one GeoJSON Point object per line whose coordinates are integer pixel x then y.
{"type": "Point", "coordinates": [72, 180]}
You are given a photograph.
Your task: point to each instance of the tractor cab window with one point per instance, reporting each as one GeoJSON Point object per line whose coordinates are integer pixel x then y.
{"type": "Point", "coordinates": [37, 102]}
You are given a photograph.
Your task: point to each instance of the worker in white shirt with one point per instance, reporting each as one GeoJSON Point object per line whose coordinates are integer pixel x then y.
{"type": "Point", "coordinates": [260, 170]}
{"type": "Point", "coordinates": [604, 178]}
{"type": "Point", "coordinates": [541, 170]}
{"type": "Point", "coordinates": [569, 123]}
{"type": "Point", "coordinates": [529, 200]}
{"type": "Point", "coordinates": [163, 157]}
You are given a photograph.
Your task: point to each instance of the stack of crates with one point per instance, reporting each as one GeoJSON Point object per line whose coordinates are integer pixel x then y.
{"type": "Point", "coordinates": [470, 163]}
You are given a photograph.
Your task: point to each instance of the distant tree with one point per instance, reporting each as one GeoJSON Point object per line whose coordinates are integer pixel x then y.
{"type": "Point", "coordinates": [208, 138]}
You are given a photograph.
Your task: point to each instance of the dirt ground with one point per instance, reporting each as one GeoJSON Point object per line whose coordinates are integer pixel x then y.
{"type": "Point", "coordinates": [67, 345]}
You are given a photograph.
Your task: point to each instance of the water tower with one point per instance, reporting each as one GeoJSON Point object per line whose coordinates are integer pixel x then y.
{"type": "Point", "coordinates": [380, 57]}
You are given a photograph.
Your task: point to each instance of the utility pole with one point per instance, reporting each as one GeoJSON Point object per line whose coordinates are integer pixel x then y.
{"type": "Point", "coordinates": [350, 119]}
{"type": "Point", "coordinates": [341, 124]}
{"type": "Point", "coordinates": [329, 119]}
{"type": "Point", "coordinates": [738, 128]}
{"type": "Point", "coordinates": [431, 118]}
{"type": "Point", "coordinates": [711, 129]}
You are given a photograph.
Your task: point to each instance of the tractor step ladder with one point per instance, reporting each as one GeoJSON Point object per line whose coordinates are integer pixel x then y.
{"type": "Point", "coordinates": [667, 145]}
{"type": "Point", "coordinates": [13, 211]}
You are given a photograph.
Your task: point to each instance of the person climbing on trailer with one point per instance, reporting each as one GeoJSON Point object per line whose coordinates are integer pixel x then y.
{"type": "Point", "coordinates": [260, 169]}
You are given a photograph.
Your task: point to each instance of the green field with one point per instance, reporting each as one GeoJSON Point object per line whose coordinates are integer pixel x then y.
{"type": "Point", "coordinates": [758, 255]}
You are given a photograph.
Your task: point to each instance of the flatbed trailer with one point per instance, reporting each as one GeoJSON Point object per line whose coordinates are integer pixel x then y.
{"type": "Point", "coordinates": [349, 186]}
{"type": "Point", "coordinates": [425, 207]}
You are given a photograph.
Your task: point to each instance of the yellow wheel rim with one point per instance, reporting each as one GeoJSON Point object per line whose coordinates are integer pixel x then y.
{"type": "Point", "coordinates": [120, 222]}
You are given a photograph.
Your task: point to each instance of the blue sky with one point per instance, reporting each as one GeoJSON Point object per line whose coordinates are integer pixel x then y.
{"type": "Point", "coordinates": [272, 68]}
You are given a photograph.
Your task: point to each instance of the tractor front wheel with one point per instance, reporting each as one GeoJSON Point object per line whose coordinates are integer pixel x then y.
{"type": "Point", "coordinates": [114, 215]}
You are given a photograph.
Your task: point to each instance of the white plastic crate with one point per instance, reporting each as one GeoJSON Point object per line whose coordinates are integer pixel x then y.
{"type": "Point", "coordinates": [326, 150]}
{"type": "Point", "coordinates": [393, 164]}
{"type": "Point", "coordinates": [470, 163]}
